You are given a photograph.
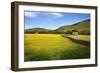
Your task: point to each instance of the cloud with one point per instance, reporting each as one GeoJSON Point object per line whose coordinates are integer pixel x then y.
{"type": "Point", "coordinates": [31, 14]}
{"type": "Point", "coordinates": [57, 15]}
{"type": "Point", "coordinates": [35, 14]}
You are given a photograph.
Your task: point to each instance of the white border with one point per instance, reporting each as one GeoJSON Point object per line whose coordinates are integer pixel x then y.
{"type": "Point", "coordinates": [34, 64]}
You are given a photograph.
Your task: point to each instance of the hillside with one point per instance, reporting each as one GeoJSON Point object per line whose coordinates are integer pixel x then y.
{"type": "Point", "coordinates": [37, 30]}
{"type": "Point", "coordinates": [82, 27]}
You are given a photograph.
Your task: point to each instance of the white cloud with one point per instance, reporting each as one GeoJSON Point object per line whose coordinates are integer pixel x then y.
{"type": "Point", "coordinates": [31, 14]}
{"type": "Point", "coordinates": [35, 14]}
{"type": "Point", "coordinates": [57, 15]}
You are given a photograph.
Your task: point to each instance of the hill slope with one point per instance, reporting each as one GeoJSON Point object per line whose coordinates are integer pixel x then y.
{"type": "Point", "coordinates": [37, 30]}
{"type": "Point", "coordinates": [82, 27]}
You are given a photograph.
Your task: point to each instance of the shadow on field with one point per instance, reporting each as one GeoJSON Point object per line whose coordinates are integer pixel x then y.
{"type": "Point", "coordinates": [82, 42]}
{"type": "Point", "coordinates": [79, 53]}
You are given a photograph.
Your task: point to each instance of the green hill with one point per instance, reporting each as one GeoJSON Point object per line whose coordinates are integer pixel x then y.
{"type": "Point", "coordinates": [37, 30]}
{"type": "Point", "coordinates": [82, 27]}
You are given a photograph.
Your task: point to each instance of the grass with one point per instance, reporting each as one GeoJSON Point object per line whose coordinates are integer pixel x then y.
{"type": "Point", "coordinates": [40, 47]}
{"type": "Point", "coordinates": [81, 37]}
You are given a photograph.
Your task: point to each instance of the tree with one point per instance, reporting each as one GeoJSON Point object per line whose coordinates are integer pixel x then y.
{"type": "Point", "coordinates": [74, 30]}
{"type": "Point", "coordinates": [69, 32]}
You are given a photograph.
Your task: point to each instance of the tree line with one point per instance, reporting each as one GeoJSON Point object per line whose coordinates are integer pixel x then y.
{"type": "Point", "coordinates": [82, 32]}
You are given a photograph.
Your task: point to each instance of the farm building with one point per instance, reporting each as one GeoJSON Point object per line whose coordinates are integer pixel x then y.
{"type": "Point", "coordinates": [75, 33]}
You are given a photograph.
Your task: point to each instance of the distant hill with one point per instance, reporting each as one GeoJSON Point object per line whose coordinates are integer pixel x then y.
{"type": "Point", "coordinates": [37, 30]}
{"type": "Point", "coordinates": [82, 27]}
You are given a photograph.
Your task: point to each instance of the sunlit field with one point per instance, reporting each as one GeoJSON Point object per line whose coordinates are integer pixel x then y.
{"type": "Point", "coordinates": [81, 37]}
{"type": "Point", "coordinates": [40, 47]}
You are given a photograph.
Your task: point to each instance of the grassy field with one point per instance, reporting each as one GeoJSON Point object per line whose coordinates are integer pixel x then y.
{"type": "Point", "coordinates": [40, 47]}
{"type": "Point", "coordinates": [81, 37]}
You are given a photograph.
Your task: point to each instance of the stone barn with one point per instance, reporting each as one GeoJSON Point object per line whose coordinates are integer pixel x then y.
{"type": "Point", "coordinates": [75, 33]}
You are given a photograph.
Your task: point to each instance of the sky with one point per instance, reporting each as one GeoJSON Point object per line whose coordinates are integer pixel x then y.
{"type": "Point", "coordinates": [51, 20]}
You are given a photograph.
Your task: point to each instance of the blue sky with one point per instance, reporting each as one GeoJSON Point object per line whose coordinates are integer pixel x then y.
{"type": "Point", "coordinates": [51, 20]}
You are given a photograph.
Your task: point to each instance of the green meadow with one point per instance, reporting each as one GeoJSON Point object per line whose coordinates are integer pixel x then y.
{"type": "Point", "coordinates": [40, 47]}
{"type": "Point", "coordinates": [81, 37]}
